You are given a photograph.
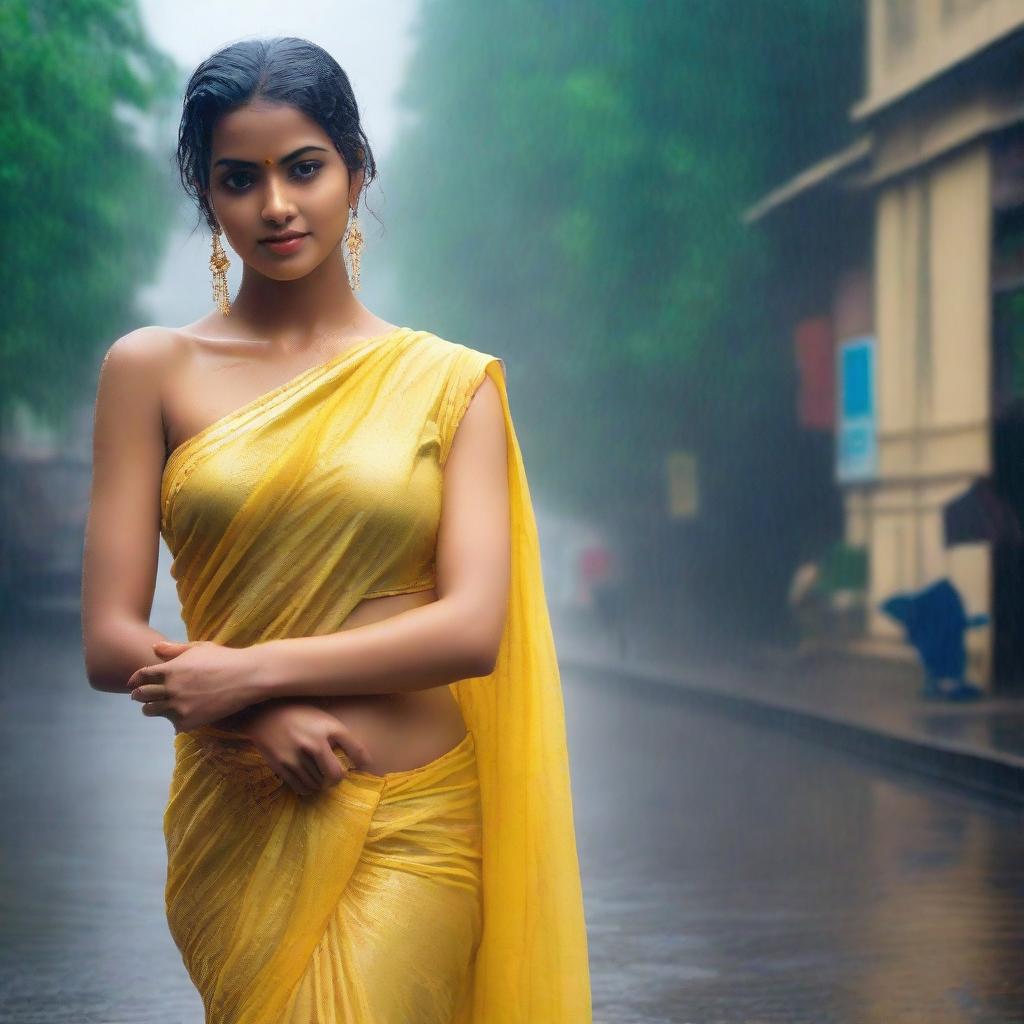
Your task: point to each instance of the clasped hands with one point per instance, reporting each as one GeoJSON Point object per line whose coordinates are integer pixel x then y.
{"type": "Point", "coordinates": [198, 683]}
{"type": "Point", "coordinates": [202, 681]}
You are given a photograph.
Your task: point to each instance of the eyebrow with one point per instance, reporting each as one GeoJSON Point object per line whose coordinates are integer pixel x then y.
{"type": "Point", "coordinates": [232, 162]}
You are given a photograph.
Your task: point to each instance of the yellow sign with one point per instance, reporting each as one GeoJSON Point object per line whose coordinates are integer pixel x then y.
{"type": "Point", "coordinates": [682, 484]}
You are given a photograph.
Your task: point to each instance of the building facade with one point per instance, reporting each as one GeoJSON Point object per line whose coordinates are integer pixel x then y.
{"type": "Point", "coordinates": [931, 294]}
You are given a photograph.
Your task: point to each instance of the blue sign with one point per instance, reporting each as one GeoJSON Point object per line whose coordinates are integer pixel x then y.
{"type": "Point", "coordinates": [856, 431]}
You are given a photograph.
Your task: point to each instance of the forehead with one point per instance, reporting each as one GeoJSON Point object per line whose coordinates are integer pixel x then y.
{"type": "Point", "coordinates": [263, 130]}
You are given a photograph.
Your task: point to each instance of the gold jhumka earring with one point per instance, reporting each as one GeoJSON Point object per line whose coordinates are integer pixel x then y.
{"type": "Point", "coordinates": [354, 243]}
{"type": "Point", "coordinates": [219, 264]}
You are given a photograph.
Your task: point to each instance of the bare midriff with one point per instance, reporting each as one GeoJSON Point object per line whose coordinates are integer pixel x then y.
{"type": "Point", "coordinates": [399, 730]}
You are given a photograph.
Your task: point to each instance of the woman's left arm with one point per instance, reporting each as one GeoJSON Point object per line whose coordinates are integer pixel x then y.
{"type": "Point", "coordinates": [455, 637]}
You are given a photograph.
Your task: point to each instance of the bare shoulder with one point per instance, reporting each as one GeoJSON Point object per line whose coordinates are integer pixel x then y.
{"type": "Point", "coordinates": [480, 432]}
{"type": "Point", "coordinates": [149, 359]}
{"type": "Point", "coordinates": [141, 355]}
{"type": "Point", "coordinates": [132, 380]}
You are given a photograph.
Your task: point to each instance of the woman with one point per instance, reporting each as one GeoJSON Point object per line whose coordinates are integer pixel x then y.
{"type": "Point", "coordinates": [369, 816]}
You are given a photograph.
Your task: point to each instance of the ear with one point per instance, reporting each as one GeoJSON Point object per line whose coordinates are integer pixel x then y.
{"type": "Point", "coordinates": [356, 185]}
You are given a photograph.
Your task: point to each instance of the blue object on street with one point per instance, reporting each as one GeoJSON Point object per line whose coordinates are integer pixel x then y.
{"type": "Point", "coordinates": [935, 623]}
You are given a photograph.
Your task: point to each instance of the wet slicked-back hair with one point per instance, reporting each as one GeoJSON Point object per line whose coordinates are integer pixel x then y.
{"type": "Point", "coordinates": [285, 70]}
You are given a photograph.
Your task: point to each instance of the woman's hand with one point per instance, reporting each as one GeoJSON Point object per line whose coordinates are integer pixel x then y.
{"type": "Point", "coordinates": [297, 741]}
{"type": "Point", "coordinates": [199, 683]}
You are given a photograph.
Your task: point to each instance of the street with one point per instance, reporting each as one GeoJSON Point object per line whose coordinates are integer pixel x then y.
{"type": "Point", "coordinates": [737, 875]}
{"type": "Point", "coordinates": [732, 874]}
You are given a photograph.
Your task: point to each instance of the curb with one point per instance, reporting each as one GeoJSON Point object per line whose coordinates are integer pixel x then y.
{"type": "Point", "coordinates": [986, 772]}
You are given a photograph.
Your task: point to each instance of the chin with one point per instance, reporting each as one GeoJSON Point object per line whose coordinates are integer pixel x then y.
{"type": "Point", "coordinates": [287, 269]}
{"type": "Point", "coordinates": [290, 273]}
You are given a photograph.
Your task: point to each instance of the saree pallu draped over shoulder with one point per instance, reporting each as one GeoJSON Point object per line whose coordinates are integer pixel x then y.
{"type": "Point", "coordinates": [448, 893]}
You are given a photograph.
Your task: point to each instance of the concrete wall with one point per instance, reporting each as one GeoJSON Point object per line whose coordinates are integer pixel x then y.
{"type": "Point", "coordinates": [932, 316]}
{"type": "Point", "coordinates": [909, 42]}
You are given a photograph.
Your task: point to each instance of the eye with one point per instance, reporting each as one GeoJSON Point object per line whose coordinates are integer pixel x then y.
{"type": "Point", "coordinates": [312, 166]}
{"type": "Point", "coordinates": [237, 174]}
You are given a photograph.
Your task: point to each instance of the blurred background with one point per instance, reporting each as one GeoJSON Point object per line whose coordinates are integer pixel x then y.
{"type": "Point", "coordinates": [756, 268]}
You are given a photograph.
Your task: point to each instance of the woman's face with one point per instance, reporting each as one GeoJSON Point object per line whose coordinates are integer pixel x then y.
{"type": "Point", "coordinates": [274, 170]}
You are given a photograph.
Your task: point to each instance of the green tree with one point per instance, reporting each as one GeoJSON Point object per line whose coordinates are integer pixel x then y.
{"type": "Point", "coordinates": [569, 194]}
{"type": "Point", "coordinates": [83, 201]}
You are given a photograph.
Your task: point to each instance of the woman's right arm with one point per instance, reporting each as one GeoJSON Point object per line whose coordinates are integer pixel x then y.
{"type": "Point", "coordinates": [122, 533]}
{"type": "Point", "coordinates": [121, 553]}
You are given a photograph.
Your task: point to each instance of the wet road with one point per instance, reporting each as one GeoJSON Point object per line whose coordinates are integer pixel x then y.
{"type": "Point", "coordinates": [733, 874]}
{"type": "Point", "coordinates": [738, 875]}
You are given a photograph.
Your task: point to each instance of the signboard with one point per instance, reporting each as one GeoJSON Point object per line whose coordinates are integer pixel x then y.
{"type": "Point", "coordinates": [856, 431]}
{"type": "Point", "coordinates": [682, 485]}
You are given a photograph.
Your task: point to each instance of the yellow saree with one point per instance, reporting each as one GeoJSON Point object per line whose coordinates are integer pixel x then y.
{"type": "Point", "coordinates": [450, 892]}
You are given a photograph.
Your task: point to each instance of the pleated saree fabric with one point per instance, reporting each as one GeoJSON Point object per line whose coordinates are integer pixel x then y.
{"type": "Point", "coordinates": [447, 893]}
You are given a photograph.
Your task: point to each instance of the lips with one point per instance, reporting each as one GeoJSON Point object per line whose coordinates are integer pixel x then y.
{"type": "Point", "coordinates": [284, 246]}
{"type": "Point", "coordinates": [286, 237]}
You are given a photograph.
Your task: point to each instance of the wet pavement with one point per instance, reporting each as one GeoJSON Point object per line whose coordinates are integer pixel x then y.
{"type": "Point", "coordinates": [733, 873]}
{"type": "Point", "coordinates": [737, 874]}
{"type": "Point", "coordinates": [866, 703]}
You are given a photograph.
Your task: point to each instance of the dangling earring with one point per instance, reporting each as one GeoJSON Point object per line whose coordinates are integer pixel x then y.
{"type": "Point", "coordinates": [354, 243]}
{"type": "Point", "coordinates": [219, 264]}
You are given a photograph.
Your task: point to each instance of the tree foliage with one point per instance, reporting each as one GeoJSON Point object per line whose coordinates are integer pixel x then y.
{"type": "Point", "coordinates": [84, 203]}
{"type": "Point", "coordinates": [568, 193]}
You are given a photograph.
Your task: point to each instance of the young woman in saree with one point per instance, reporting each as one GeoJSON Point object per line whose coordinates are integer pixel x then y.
{"type": "Point", "coordinates": [369, 817]}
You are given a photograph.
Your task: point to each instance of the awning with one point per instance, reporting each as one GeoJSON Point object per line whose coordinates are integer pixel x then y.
{"type": "Point", "coordinates": [815, 175]}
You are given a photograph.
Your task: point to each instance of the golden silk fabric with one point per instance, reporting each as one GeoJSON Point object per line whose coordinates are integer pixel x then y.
{"type": "Point", "coordinates": [281, 517]}
{"type": "Point", "coordinates": [362, 903]}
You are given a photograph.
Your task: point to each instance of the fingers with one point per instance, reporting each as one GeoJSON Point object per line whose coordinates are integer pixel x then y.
{"type": "Point", "coordinates": [159, 707]}
{"type": "Point", "coordinates": [292, 779]}
{"type": "Point", "coordinates": [304, 770]}
{"type": "Point", "coordinates": [331, 771]}
{"type": "Point", "coordinates": [310, 782]}
{"type": "Point", "coordinates": [149, 692]}
{"type": "Point", "coordinates": [308, 769]}
{"type": "Point", "coordinates": [354, 749]}
{"type": "Point", "coordinates": [166, 644]}
{"type": "Point", "coordinates": [313, 773]}
{"type": "Point", "coordinates": [146, 674]}
{"type": "Point", "coordinates": [313, 769]}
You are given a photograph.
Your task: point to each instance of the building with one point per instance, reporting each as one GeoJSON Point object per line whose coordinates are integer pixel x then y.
{"type": "Point", "coordinates": [911, 246]}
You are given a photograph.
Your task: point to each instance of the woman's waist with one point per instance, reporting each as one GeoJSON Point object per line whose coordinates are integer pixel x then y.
{"type": "Point", "coordinates": [412, 710]}
{"type": "Point", "coordinates": [399, 731]}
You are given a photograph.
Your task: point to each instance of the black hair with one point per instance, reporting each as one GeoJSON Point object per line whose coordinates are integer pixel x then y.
{"type": "Point", "coordinates": [284, 69]}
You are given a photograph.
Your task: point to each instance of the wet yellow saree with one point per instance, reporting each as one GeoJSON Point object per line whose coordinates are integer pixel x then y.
{"type": "Point", "coordinates": [450, 892]}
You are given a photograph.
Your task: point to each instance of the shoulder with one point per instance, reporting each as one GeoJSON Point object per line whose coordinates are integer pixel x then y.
{"type": "Point", "coordinates": [470, 399]}
{"type": "Point", "coordinates": [144, 344]}
{"type": "Point", "coordinates": [462, 359]}
{"type": "Point", "coordinates": [148, 355]}
{"type": "Point", "coordinates": [140, 356]}
{"type": "Point", "coordinates": [129, 387]}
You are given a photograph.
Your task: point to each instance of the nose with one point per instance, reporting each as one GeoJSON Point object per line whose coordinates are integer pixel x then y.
{"type": "Point", "coordinates": [277, 208]}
